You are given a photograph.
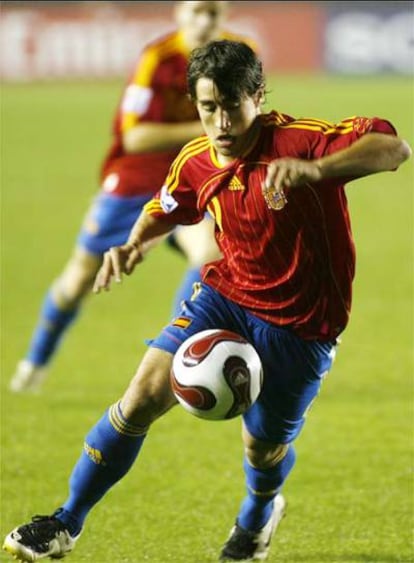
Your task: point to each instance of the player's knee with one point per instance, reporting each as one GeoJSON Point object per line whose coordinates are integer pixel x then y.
{"type": "Point", "coordinates": [76, 279]}
{"type": "Point", "coordinates": [149, 394]}
{"type": "Point", "coordinates": [262, 454]}
{"type": "Point", "coordinates": [144, 403]}
{"type": "Point", "coordinates": [265, 456]}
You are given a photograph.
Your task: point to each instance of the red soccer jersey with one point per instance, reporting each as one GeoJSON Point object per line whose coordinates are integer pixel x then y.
{"type": "Point", "coordinates": [293, 267]}
{"type": "Point", "coordinates": [155, 92]}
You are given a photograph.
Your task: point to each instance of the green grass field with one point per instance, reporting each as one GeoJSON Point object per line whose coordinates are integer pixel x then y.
{"type": "Point", "coordinates": [351, 493]}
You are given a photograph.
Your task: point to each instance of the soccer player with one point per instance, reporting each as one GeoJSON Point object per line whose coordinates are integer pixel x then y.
{"type": "Point", "coordinates": [153, 121]}
{"type": "Point", "coordinates": [275, 186]}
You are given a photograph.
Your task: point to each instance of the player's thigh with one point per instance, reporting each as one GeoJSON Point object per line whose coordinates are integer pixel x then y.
{"type": "Point", "coordinates": [293, 372]}
{"type": "Point", "coordinates": [76, 278]}
{"type": "Point", "coordinates": [150, 392]}
{"type": "Point", "coordinates": [109, 221]}
{"type": "Point", "coordinates": [197, 242]}
{"type": "Point", "coordinates": [206, 309]}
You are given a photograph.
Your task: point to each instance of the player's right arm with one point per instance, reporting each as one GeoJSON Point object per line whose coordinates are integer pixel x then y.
{"type": "Point", "coordinates": [159, 136]}
{"type": "Point", "coordinates": [120, 260]}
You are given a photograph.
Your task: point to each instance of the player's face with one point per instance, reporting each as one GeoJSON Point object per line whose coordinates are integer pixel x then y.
{"type": "Point", "coordinates": [230, 124]}
{"type": "Point", "coordinates": [200, 22]}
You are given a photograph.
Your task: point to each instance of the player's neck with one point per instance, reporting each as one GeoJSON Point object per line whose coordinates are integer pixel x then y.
{"type": "Point", "coordinates": [190, 43]}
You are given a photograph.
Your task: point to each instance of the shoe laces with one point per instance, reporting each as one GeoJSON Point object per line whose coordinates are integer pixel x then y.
{"type": "Point", "coordinates": [40, 531]}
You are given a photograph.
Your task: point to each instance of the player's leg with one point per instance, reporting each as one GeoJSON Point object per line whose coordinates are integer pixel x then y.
{"type": "Point", "coordinates": [198, 245]}
{"type": "Point", "coordinates": [293, 373]}
{"type": "Point", "coordinates": [60, 308]}
{"type": "Point", "coordinates": [110, 449]}
{"type": "Point", "coordinates": [113, 444]}
{"type": "Point", "coordinates": [115, 441]}
{"type": "Point", "coordinates": [107, 224]}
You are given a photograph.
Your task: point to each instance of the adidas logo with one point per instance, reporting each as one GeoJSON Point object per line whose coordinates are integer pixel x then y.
{"type": "Point", "coordinates": [240, 378]}
{"type": "Point", "coordinates": [236, 185]}
{"type": "Point", "coordinates": [94, 454]}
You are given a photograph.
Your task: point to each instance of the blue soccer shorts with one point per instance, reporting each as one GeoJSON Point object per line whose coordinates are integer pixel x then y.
{"type": "Point", "coordinates": [109, 221]}
{"type": "Point", "coordinates": [293, 367]}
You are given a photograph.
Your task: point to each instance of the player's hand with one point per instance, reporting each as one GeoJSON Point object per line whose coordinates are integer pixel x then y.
{"type": "Point", "coordinates": [284, 174]}
{"type": "Point", "coordinates": [117, 260]}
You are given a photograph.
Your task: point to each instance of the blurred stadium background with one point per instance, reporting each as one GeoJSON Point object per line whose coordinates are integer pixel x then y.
{"type": "Point", "coordinates": [350, 497]}
{"type": "Point", "coordinates": [44, 40]}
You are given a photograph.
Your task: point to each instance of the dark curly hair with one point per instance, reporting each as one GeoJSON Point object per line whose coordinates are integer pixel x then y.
{"type": "Point", "coordinates": [232, 66]}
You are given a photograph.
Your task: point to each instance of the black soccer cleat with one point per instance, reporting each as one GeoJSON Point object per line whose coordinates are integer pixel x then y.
{"type": "Point", "coordinates": [45, 536]}
{"type": "Point", "coordinates": [245, 545]}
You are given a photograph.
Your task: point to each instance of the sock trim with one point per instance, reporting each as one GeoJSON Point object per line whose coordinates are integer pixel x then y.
{"type": "Point", "coordinates": [121, 425]}
{"type": "Point", "coordinates": [284, 448]}
{"type": "Point", "coordinates": [269, 493]}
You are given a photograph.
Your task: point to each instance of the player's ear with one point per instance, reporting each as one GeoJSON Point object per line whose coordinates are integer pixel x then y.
{"type": "Point", "coordinates": [259, 97]}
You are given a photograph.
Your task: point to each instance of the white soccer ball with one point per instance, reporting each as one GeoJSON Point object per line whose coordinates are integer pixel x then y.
{"type": "Point", "coordinates": [216, 374]}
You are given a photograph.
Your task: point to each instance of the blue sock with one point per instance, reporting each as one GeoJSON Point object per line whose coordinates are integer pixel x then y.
{"type": "Point", "coordinates": [262, 487]}
{"type": "Point", "coordinates": [52, 324]}
{"type": "Point", "coordinates": [110, 449]}
{"type": "Point", "coordinates": [185, 290]}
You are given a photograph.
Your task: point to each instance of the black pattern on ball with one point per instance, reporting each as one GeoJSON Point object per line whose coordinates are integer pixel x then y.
{"type": "Point", "coordinates": [237, 375]}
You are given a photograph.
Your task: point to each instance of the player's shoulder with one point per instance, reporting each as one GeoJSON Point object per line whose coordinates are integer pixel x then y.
{"type": "Point", "coordinates": [194, 149]}
{"type": "Point", "coordinates": [162, 46]}
{"type": "Point", "coordinates": [286, 122]}
{"type": "Point", "coordinates": [192, 153]}
{"type": "Point", "coordinates": [187, 162]}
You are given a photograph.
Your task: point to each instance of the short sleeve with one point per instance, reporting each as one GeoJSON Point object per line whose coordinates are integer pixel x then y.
{"type": "Point", "coordinates": [343, 134]}
{"type": "Point", "coordinates": [139, 93]}
{"type": "Point", "coordinates": [176, 201]}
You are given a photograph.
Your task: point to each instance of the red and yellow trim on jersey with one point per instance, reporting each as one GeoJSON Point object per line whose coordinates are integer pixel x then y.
{"type": "Point", "coordinates": [214, 159]}
{"type": "Point", "coordinates": [310, 124]}
{"type": "Point", "coordinates": [273, 118]}
{"type": "Point", "coordinates": [153, 207]}
{"type": "Point", "coordinates": [193, 148]}
{"type": "Point", "coordinates": [153, 55]}
{"type": "Point", "coordinates": [214, 209]}
{"type": "Point", "coordinates": [207, 184]}
{"type": "Point", "coordinates": [128, 121]}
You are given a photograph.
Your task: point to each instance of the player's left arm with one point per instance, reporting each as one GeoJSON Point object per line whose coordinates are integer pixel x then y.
{"type": "Point", "coordinates": [372, 153]}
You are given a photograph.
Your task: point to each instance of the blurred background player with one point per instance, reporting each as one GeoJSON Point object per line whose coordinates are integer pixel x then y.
{"type": "Point", "coordinates": [152, 122]}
